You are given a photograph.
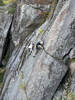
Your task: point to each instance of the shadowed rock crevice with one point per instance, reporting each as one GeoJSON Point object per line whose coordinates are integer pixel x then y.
{"type": "Point", "coordinates": [6, 46]}
{"type": "Point", "coordinates": [37, 76]}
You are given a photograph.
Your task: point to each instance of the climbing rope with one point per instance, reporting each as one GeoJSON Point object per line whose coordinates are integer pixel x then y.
{"type": "Point", "coordinates": [56, 58]}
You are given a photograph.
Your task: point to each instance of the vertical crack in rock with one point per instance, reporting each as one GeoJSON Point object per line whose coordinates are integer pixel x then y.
{"type": "Point", "coordinates": [6, 44]}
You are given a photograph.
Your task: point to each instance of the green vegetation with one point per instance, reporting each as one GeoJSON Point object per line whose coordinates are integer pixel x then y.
{"type": "Point", "coordinates": [1, 3]}
{"type": "Point", "coordinates": [53, 5]}
{"type": "Point", "coordinates": [12, 9]}
{"type": "Point", "coordinates": [23, 86]}
{"type": "Point", "coordinates": [6, 1]}
{"type": "Point", "coordinates": [67, 94]}
{"type": "Point", "coordinates": [2, 71]}
{"type": "Point", "coordinates": [70, 96]}
{"type": "Point", "coordinates": [72, 60]}
{"type": "Point", "coordinates": [22, 75]}
{"type": "Point", "coordinates": [41, 31]}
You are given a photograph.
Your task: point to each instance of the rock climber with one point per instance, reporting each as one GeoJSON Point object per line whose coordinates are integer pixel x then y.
{"type": "Point", "coordinates": [39, 46]}
{"type": "Point", "coordinates": [31, 47]}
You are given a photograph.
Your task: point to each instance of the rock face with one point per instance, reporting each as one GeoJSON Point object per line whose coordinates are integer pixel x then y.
{"type": "Point", "coordinates": [30, 77]}
{"type": "Point", "coordinates": [38, 1]}
{"type": "Point", "coordinates": [5, 24]}
{"type": "Point", "coordinates": [72, 54]}
{"type": "Point", "coordinates": [28, 17]}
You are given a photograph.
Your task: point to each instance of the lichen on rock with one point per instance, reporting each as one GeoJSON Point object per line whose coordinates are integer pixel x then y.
{"type": "Point", "coordinates": [41, 74]}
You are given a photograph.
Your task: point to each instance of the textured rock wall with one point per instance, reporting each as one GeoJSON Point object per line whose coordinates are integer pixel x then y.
{"type": "Point", "coordinates": [37, 78]}
{"type": "Point", "coordinates": [5, 23]}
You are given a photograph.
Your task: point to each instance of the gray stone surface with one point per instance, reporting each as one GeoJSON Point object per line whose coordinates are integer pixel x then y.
{"type": "Point", "coordinates": [38, 78]}
{"type": "Point", "coordinates": [72, 87]}
{"type": "Point", "coordinates": [72, 54]}
{"type": "Point", "coordinates": [28, 17]}
{"type": "Point", "coordinates": [5, 22]}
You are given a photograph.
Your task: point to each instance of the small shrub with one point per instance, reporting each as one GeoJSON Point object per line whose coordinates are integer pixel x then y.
{"type": "Point", "coordinates": [70, 96]}
{"type": "Point", "coordinates": [11, 10]}
{"type": "Point", "coordinates": [1, 3]}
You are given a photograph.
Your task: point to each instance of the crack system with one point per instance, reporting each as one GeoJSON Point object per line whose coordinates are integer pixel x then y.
{"type": "Point", "coordinates": [6, 44]}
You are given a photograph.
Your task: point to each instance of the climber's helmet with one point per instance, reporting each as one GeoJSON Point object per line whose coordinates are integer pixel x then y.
{"type": "Point", "coordinates": [39, 45]}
